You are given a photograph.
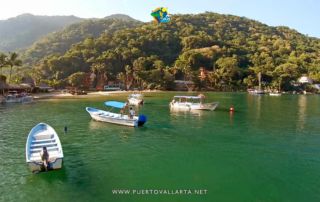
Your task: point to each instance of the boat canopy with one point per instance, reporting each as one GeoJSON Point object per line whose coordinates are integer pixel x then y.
{"type": "Point", "coordinates": [188, 97]}
{"type": "Point", "coordinates": [115, 104]}
{"type": "Point", "coordinates": [136, 95]}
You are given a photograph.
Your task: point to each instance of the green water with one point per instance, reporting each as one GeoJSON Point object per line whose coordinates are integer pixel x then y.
{"type": "Point", "coordinates": [268, 150]}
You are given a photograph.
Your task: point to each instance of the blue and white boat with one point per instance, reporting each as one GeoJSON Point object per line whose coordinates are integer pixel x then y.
{"type": "Point", "coordinates": [43, 135]}
{"type": "Point", "coordinates": [117, 118]}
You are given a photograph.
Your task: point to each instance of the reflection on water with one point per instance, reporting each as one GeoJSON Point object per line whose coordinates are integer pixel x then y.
{"type": "Point", "coordinates": [175, 149]}
{"type": "Point", "coordinates": [302, 107]}
{"type": "Point", "coordinates": [181, 112]}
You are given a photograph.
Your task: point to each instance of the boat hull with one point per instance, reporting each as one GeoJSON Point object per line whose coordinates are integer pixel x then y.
{"type": "Point", "coordinates": [38, 166]}
{"type": "Point", "coordinates": [26, 99]}
{"type": "Point", "coordinates": [132, 123]}
{"type": "Point", "coordinates": [119, 119]}
{"type": "Point", "coordinates": [275, 94]}
{"type": "Point", "coordinates": [192, 106]}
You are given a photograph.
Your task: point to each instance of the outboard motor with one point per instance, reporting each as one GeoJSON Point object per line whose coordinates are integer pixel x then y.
{"type": "Point", "coordinates": [142, 119]}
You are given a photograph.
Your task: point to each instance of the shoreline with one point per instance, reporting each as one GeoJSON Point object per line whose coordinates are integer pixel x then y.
{"type": "Point", "coordinates": [64, 95]}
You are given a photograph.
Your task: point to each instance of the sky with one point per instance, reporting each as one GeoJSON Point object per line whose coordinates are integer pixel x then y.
{"type": "Point", "coordinates": [301, 15]}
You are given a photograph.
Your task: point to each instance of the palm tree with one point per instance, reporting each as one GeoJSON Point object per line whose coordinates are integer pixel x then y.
{"type": "Point", "coordinates": [3, 61]}
{"type": "Point", "coordinates": [12, 60]}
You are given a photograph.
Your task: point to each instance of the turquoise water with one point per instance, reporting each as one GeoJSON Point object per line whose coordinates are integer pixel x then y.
{"type": "Point", "coordinates": [268, 150]}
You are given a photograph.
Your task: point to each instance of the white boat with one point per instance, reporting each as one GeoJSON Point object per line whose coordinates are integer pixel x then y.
{"type": "Point", "coordinates": [256, 91]}
{"type": "Point", "coordinates": [275, 94]}
{"type": "Point", "coordinates": [43, 135]}
{"type": "Point", "coordinates": [136, 99]}
{"type": "Point", "coordinates": [15, 97]}
{"type": "Point", "coordinates": [191, 103]}
{"type": "Point", "coordinates": [116, 118]}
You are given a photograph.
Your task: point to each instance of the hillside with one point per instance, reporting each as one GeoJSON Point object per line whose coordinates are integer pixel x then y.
{"type": "Point", "coordinates": [233, 50]}
{"type": "Point", "coordinates": [59, 42]}
{"type": "Point", "coordinates": [21, 31]}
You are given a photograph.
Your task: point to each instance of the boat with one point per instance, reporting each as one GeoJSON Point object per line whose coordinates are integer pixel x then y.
{"type": "Point", "coordinates": [275, 94]}
{"type": "Point", "coordinates": [258, 91]}
{"type": "Point", "coordinates": [15, 97]}
{"type": "Point", "coordinates": [191, 103]}
{"type": "Point", "coordinates": [43, 135]}
{"type": "Point", "coordinates": [136, 99]}
{"type": "Point", "coordinates": [116, 118]}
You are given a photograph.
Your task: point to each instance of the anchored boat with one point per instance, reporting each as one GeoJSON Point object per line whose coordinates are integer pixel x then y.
{"type": "Point", "coordinates": [126, 119]}
{"type": "Point", "coordinates": [136, 99]}
{"type": "Point", "coordinates": [43, 136]}
{"type": "Point", "coordinates": [192, 103]}
{"type": "Point", "coordinates": [15, 97]}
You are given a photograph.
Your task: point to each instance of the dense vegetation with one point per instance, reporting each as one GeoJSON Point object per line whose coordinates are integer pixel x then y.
{"type": "Point", "coordinates": [21, 31]}
{"type": "Point", "coordinates": [232, 49]}
{"type": "Point", "coordinates": [59, 42]}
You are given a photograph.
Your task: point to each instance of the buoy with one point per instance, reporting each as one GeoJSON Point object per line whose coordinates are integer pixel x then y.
{"type": "Point", "coordinates": [231, 109]}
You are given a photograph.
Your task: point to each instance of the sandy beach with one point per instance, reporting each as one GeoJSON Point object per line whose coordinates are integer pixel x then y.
{"type": "Point", "coordinates": [64, 95]}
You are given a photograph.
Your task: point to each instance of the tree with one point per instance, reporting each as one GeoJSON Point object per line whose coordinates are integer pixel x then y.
{"type": "Point", "coordinates": [3, 61]}
{"type": "Point", "coordinates": [228, 70]}
{"type": "Point", "coordinates": [12, 61]}
{"type": "Point", "coordinates": [77, 79]}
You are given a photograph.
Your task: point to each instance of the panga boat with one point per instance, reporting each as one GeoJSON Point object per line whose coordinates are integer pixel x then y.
{"type": "Point", "coordinates": [117, 118]}
{"type": "Point", "coordinates": [15, 97]}
{"type": "Point", "coordinates": [192, 103]}
{"type": "Point", "coordinates": [43, 135]}
{"type": "Point", "coordinates": [135, 99]}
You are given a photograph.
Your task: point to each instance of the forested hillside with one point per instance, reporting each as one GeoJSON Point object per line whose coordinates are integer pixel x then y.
{"type": "Point", "coordinates": [23, 30]}
{"type": "Point", "coordinates": [59, 42]}
{"type": "Point", "coordinates": [232, 49]}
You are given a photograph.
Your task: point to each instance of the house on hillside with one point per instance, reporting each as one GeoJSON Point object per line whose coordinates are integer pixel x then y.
{"type": "Point", "coordinates": [305, 80]}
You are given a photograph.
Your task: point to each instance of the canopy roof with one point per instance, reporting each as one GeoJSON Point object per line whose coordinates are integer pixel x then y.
{"type": "Point", "coordinates": [135, 95]}
{"type": "Point", "coordinates": [115, 104]}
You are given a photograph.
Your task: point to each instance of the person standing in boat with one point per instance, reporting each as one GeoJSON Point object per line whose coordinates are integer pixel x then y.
{"type": "Point", "coordinates": [131, 112]}
{"type": "Point", "coordinates": [45, 158]}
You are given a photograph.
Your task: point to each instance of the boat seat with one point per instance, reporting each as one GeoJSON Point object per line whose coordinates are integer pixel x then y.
{"type": "Point", "coordinates": [42, 141]}
{"type": "Point", "coordinates": [40, 149]}
{"type": "Point", "coordinates": [43, 136]}
{"type": "Point", "coordinates": [44, 145]}
{"type": "Point", "coordinates": [37, 158]}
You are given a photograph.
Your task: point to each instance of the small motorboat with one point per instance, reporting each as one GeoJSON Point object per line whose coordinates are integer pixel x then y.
{"type": "Point", "coordinates": [256, 91]}
{"type": "Point", "coordinates": [136, 99]}
{"type": "Point", "coordinates": [126, 119]}
{"type": "Point", "coordinates": [43, 135]}
{"type": "Point", "coordinates": [275, 94]}
{"type": "Point", "coordinates": [192, 103]}
{"type": "Point", "coordinates": [15, 97]}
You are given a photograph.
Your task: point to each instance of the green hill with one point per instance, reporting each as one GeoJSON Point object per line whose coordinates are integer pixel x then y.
{"type": "Point", "coordinates": [232, 49]}
{"type": "Point", "coordinates": [59, 42]}
{"type": "Point", "coordinates": [21, 31]}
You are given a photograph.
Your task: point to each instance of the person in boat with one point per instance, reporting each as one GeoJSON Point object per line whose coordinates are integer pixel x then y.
{"type": "Point", "coordinates": [202, 97]}
{"type": "Point", "coordinates": [131, 112]}
{"type": "Point", "coordinates": [45, 158]}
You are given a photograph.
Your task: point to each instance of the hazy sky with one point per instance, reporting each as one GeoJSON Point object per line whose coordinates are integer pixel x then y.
{"type": "Point", "coordinates": [302, 15]}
